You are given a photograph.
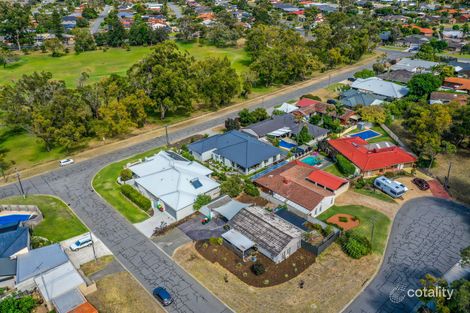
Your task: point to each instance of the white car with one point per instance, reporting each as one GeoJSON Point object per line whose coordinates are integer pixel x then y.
{"type": "Point", "coordinates": [81, 243]}
{"type": "Point", "coordinates": [66, 162]}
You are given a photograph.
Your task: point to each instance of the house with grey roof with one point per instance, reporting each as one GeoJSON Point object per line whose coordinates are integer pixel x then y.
{"type": "Point", "coordinates": [273, 236]}
{"type": "Point", "coordinates": [285, 125]}
{"type": "Point", "coordinates": [237, 150]}
{"type": "Point", "coordinates": [353, 97]}
{"type": "Point", "coordinates": [172, 182]}
{"type": "Point", "coordinates": [380, 87]}
{"type": "Point", "coordinates": [398, 76]}
{"type": "Point", "coordinates": [14, 240]}
{"type": "Point", "coordinates": [7, 272]}
{"type": "Point", "coordinates": [414, 65]}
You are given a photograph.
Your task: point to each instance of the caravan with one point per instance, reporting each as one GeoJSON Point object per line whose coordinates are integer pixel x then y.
{"type": "Point", "coordinates": [392, 188]}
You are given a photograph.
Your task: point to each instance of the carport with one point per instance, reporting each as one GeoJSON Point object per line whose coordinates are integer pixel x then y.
{"type": "Point", "coordinates": [238, 242]}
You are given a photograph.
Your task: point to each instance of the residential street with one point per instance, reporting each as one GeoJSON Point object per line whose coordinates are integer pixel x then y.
{"type": "Point", "coordinates": [138, 254]}
{"type": "Point", "coordinates": [176, 9]}
{"type": "Point", "coordinates": [95, 27]}
{"type": "Point", "coordinates": [426, 237]}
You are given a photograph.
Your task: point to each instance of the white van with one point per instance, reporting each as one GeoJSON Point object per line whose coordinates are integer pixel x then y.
{"type": "Point", "coordinates": [81, 243]}
{"type": "Point", "coordinates": [66, 162]}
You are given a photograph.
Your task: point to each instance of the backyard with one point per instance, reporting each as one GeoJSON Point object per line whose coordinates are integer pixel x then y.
{"type": "Point", "coordinates": [59, 222]}
{"type": "Point", "coordinates": [365, 216]}
{"type": "Point", "coordinates": [329, 283]}
{"type": "Point", "coordinates": [105, 183]}
{"type": "Point", "coordinates": [383, 135]}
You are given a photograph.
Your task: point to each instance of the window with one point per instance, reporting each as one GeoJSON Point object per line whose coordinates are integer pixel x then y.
{"type": "Point", "coordinates": [196, 183]}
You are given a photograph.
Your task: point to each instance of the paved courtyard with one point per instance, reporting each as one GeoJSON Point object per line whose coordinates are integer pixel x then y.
{"type": "Point", "coordinates": [426, 237]}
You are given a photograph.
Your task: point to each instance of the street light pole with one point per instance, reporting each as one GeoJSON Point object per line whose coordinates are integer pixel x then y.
{"type": "Point", "coordinates": [21, 185]}
{"type": "Point", "coordinates": [93, 246]}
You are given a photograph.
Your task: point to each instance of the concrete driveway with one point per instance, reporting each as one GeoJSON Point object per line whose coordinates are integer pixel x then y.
{"type": "Point", "coordinates": [84, 255]}
{"type": "Point", "coordinates": [426, 237]}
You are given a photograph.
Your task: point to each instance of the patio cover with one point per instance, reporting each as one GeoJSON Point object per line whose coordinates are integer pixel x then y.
{"type": "Point", "coordinates": [238, 240]}
{"type": "Point", "coordinates": [230, 209]}
{"type": "Point", "coordinates": [280, 132]}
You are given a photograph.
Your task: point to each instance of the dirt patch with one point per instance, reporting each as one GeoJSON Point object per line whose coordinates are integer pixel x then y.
{"type": "Point", "coordinates": [329, 283]}
{"type": "Point", "coordinates": [96, 266]}
{"type": "Point", "coordinates": [259, 201]}
{"type": "Point", "coordinates": [345, 221]}
{"type": "Point", "coordinates": [275, 274]}
{"type": "Point", "coordinates": [121, 293]}
{"type": "Point", "coordinates": [437, 189]}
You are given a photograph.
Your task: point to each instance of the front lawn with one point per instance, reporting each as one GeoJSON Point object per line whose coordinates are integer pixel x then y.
{"type": "Point", "coordinates": [59, 222]}
{"type": "Point", "coordinates": [105, 183]}
{"type": "Point", "coordinates": [365, 214]}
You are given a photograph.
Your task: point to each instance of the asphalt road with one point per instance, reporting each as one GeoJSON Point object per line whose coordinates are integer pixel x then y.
{"type": "Point", "coordinates": [426, 237]}
{"type": "Point", "coordinates": [176, 9]}
{"type": "Point", "coordinates": [95, 27]}
{"type": "Point", "coordinates": [138, 254]}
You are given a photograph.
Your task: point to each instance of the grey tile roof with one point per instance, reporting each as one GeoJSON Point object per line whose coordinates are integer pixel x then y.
{"type": "Point", "coordinates": [238, 147]}
{"type": "Point", "coordinates": [7, 267]}
{"type": "Point", "coordinates": [286, 120]}
{"type": "Point", "coordinates": [38, 261]}
{"type": "Point", "coordinates": [413, 64]}
{"type": "Point", "coordinates": [266, 229]}
{"type": "Point", "coordinates": [399, 76]}
{"type": "Point", "coordinates": [353, 97]}
{"type": "Point", "coordinates": [13, 241]}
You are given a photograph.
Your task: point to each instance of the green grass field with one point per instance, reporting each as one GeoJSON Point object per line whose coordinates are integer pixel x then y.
{"type": "Point", "coordinates": [99, 64]}
{"type": "Point", "coordinates": [382, 223]}
{"type": "Point", "coordinates": [375, 194]}
{"type": "Point", "coordinates": [59, 222]}
{"type": "Point", "coordinates": [106, 185]}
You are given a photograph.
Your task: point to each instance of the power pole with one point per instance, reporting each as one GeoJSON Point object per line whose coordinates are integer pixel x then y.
{"type": "Point", "coordinates": [446, 183]}
{"type": "Point", "coordinates": [21, 185]}
{"type": "Point", "coordinates": [166, 135]}
{"type": "Point", "coordinates": [93, 246]}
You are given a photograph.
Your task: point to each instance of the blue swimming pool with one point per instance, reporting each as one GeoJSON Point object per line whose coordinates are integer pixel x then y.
{"type": "Point", "coordinates": [285, 144]}
{"type": "Point", "coordinates": [367, 134]}
{"type": "Point", "coordinates": [311, 160]}
{"type": "Point", "coordinates": [14, 218]}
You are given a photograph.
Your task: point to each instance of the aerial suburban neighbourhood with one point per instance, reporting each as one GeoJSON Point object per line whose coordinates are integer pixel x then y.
{"type": "Point", "coordinates": [252, 156]}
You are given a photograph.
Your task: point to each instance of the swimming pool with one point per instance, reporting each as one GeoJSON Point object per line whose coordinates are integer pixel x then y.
{"type": "Point", "coordinates": [311, 160]}
{"type": "Point", "coordinates": [14, 218]}
{"type": "Point", "coordinates": [367, 134]}
{"type": "Point", "coordinates": [285, 144]}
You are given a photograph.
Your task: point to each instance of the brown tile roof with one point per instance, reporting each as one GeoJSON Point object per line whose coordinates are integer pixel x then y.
{"type": "Point", "coordinates": [448, 97]}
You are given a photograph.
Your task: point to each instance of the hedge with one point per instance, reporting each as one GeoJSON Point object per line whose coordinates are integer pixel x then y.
{"type": "Point", "coordinates": [344, 166]}
{"type": "Point", "coordinates": [136, 197]}
{"type": "Point", "coordinates": [355, 245]}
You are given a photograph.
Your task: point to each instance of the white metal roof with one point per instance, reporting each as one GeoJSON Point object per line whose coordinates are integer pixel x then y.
{"type": "Point", "coordinates": [287, 108]}
{"type": "Point", "coordinates": [238, 240]}
{"type": "Point", "coordinates": [58, 281]}
{"type": "Point", "coordinates": [380, 87]}
{"type": "Point", "coordinates": [280, 132]}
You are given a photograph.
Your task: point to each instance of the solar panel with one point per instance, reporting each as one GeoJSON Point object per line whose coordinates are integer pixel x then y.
{"type": "Point", "coordinates": [196, 183]}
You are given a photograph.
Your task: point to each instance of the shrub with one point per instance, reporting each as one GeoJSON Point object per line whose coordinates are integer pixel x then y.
{"type": "Point", "coordinates": [258, 269]}
{"type": "Point", "coordinates": [201, 201]}
{"type": "Point", "coordinates": [126, 174]}
{"type": "Point", "coordinates": [356, 246]}
{"type": "Point", "coordinates": [313, 97]}
{"type": "Point", "coordinates": [343, 219]}
{"type": "Point", "coordinates": [14, 304]}
{"type": "Point", "coordinates": [232, 186]}
{"type": "Point", "coordinates": [251, 190]}
{"type": "Point", "coordinates": [216, 241]}
{"type": "Point", "coordinates": [360, 183]}
{"type": "Point", "coordinates": [345, 166]}
{"type": "Point", "coordinates": [327, 230]}
{"type": "Point", "coordinates": [136, 197]}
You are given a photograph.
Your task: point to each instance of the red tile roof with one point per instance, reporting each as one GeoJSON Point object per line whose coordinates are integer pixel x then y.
{"type": "Point", "coordinates": [422, 30]}
{"type": "Point", "coordinates": [305, 102]}
{"type": "Point", "coordinates": [84, 308]}
{"type": "Point", "coordinates": [458, 83]}
{"type": "Point", "coordinates": [354, 149]}
{"type": "Point", "coordinates": [326, 179]}
{"type": "Point", "coordinates": [290, 181]}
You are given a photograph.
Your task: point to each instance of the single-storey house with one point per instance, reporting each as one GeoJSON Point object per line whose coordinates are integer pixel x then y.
{"type": "Point", "coordinates": [237, 150]}
{"type": "Point", "coordinates": [273, 236]}
{"type": "Point", "coordinates": [172, 182]}
{"type": "Point", "coordinates": [461, 68]}
{"type": "Point", "coordinates": [398, 76]}
{"type": "Point", "coordinates": [304, 188]}
{"type": "Point", "coordinates": [286, 125]}
{"type": "Point", "coordinates": [414, 65]}
{"type": "Point", "coordinates": [286, 108]}
{"type": "Point", "coordinates": [377, 86]}
{"type": "Point", "coordinates": [372, 159]}
{"type": "Point", "coordinates": [413, 41]}
{"type": "Point", "coordinates": [447, 97]}
{"type": "Point", "coordinates": [353, 97]}
{"type": "Point", "coordinates": [422, 30]}
{"type": "Point", "coordinates": [224, 207]}
{"type": "Point", "coordinates": [309, 107]}
{"type": "Point", "coordinates": [14, 240]}
{"type": "Point", "coordinates": [457, 83]}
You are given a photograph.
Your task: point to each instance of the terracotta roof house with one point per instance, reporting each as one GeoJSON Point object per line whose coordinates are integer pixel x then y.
{"type": "Point", "coordinates": [457, 83]}
{"type": "Point", "coordinates": [372, 159]}
{"type": "Point", "coordinates": [447, 97]}
{"type": "Point", "coordinates": [309, 107]}
{"type": "Point", "coordinates": [237, 150]}
{"type": "Point", "coordinates": [305, 189]}
{"type": "Point", "coordinates": [424, 31]}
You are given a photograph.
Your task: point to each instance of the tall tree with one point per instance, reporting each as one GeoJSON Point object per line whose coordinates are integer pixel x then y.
{"type": "Point", "coordinates": [166, 77]}
{"type": "Point", "coordinates": [216, 81]}
{"type": "Point", "coordinates": [14, 21]}
{"type": "Point", "coordinates": [116, 33]}
{"type": "Point", "coordinates": [56, 24]}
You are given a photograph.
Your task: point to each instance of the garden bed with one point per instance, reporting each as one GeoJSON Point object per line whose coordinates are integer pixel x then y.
{"type": "Point", "coordinates": [275, 274]}
{"type": "Point", "coordinates": [259, 201]}
{"type": "Point", "coordinates": [345, 221]}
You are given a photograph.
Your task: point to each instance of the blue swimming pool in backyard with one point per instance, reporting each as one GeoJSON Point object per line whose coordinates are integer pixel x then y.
{"type": "Point", "coordinates": [367, 134]}
{"type": "Point", "coordinates": [285, 144]}
{"type": "Point", "coordinates": [14, 218]}
{"type": "Point", "coordinates": [311, 160]}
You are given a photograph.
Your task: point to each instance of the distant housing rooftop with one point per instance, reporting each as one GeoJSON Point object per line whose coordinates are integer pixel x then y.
{"type": "Point", "coordinates": [266, 229]}
{"type": "Point", "coordinates": [413, 65]}
{"type": "Point", "coordinates": [380, 87]}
